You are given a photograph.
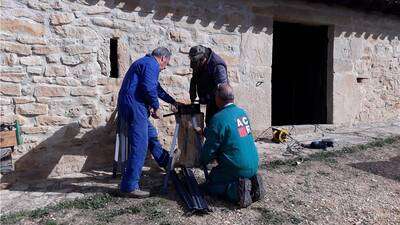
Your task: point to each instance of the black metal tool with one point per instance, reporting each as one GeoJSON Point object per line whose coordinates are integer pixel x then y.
{"type": "Point", "coordinates": [185, 110]}
{"type": "Point", "coordinates": [187, 187]}
{"type": "Point", "coordinates": [188, 191]}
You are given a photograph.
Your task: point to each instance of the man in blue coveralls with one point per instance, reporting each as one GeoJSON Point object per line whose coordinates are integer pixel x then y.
{"type": "Point", "coordinates": [230, 142]}
{"type": "Point", "coordinates": [137, 100]}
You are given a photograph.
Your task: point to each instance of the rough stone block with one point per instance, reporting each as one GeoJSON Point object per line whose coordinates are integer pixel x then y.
{"type": "Point", "coordinates": [52, 120]}
{"type": "Point", "coordinates": [83, 91]}
{"type": "Point", "coordinates": [55, 71]}
{"type": "Point", "coordinates": [46, 50]}
{"type": "Point", "coordinates": [32, 109]}
{"type": "Point", "coordinates": [27, 90]}
{"type": "Point", "coordinates": [226, 39]}
{"type": "Point", "coordinates": [61, 18]}
{"type": "Point", "coordinates": [44, 100]}
{"type": "Point", "coordinates": [79, 49]}
{"type": "Point", "coordinates": [109, 89]}
{"type": "Point", "coordinates": [179, 35]}
{"type": "Point", "coordinates": [11, 69]}
{"type": "Point", "coordinates": [256, 49]}
{"type": "Point", "coordinates": [39, 70]}
{"type": "Point", "coordinates": [85, 71]}
{"type": "Point", "coordinates": [40, 79]}
{"type": "Point", "coordinates": [18, 26]}
{"type": "Point", "coordinates": [10, 89]}
{"type": "Point", "coordinates": [67, 81]}
{"type": "Point", "coordinates": [9, 59]}
{"type": "Point", "coordinates": [12, 77]}
{"type": "Point", "coordinates": [121, 25]}
{"type": "Point", "coordinates": [5, 101]}
{"type": "Point", "coordinates": [230, 60]}
{"type": "Point", "coordinates": [103, 81]}
{"type": "Point", "coordinates": [69, 31]}
{"type": "Point", "coordinates": [93, 10]}
{"type": "Point", "coordinates": [27, 13]}
{"type": "Point", "coordinates": [31, 60]}
{"type": "Point", "coordinates": [16, 48]}
{"type": "Point", "coordinates": [12, 118]}
{"type": "Point", "coordinates": [24, 39]}
{"type": "Point", "coordinates": [23, 100]}
{"type": "Point", "coordinates": [103, 22]}
{"type": "Point", "coordinates": [34, 130]}
{"type": "Point", "coordinates": [56, 4]}
{"type": "Point", "coordinates": [50, 91]}
{"type": "Point", "coordinates": [7, 110]}
{"type": "Point", "coordinates": [70, 60]}
{"type": "Point", "coordinates": [90, 121]}
{"type": "Point", "coordinates": [126, 16]}
{"type": "Point", "coordinates": [89, 82]}
{"type": "Point", "coordinates": [53, 58]}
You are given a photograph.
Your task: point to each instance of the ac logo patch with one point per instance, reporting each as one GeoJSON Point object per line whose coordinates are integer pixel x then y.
{"type": "Point", "coordinates": [243, 126]}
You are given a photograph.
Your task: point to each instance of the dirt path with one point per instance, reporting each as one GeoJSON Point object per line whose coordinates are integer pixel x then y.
{"type": "Point", "coordinates": [359, 185]}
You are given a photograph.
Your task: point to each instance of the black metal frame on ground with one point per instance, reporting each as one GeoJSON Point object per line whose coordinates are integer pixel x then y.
{"type": "Point", "coordinates": [187, 186]}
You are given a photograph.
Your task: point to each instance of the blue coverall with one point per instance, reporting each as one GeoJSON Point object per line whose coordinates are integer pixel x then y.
{"type": "Point", "coordinates": [139, 92]}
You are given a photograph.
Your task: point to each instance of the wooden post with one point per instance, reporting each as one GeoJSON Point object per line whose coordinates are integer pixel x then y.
{"type": "Point", "coordinates": [189, 151]}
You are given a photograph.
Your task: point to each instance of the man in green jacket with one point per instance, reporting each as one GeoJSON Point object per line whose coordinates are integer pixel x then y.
{"type": "Point", "coordinates": [230, 142]}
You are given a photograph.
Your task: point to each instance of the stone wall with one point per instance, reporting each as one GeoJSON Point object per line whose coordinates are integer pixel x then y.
{"type": "Point", "coordinates": [55, 69]}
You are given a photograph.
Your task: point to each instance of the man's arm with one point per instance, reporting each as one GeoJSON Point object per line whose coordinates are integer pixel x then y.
{"type": "Point", "coordinates": [211, 146]}
{"type": "Point", "coordinates": [221, 75]}
{"type": "Point", "coordinates": [149, 85]}
{"type": "Point", "coordinates": [164, 95]}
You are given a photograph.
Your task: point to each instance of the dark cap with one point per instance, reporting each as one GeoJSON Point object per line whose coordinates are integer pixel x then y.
{"type": "Point", "coordinates": [197, 52]}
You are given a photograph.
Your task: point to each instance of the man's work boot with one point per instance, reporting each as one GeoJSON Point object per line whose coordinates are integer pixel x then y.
{"type": "Point", "coordinates": [244, 192]}
{"type": "Point", "coordinates": [257, 188]}
{"type": "Point", "coordinates": [137, 194]}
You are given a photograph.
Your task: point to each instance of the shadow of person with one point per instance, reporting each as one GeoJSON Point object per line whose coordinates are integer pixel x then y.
{"type": "Point", "coordinates": [66, 151]}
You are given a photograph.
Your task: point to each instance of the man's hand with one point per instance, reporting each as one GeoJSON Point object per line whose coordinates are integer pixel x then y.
{"type": "Point", "coordinates": [176, 105]}
{"type": "Point", "coordinates": [154, 113]}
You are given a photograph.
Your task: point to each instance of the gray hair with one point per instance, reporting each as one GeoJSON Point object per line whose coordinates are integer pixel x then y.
{"type": "Point", "coordinates": [161, 52]}
{"type": "Point", "coordinates": [225, 92]}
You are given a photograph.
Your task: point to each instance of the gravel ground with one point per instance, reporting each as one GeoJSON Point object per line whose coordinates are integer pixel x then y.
{"type": "Point", "coordinates": [358, 186]}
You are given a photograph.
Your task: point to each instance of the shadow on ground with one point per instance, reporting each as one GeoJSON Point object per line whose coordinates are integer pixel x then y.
{"type": "Point", "coordinates": [388, 169]}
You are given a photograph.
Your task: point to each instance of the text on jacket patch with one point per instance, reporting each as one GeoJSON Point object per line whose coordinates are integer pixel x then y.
{"type": "Point", "coordinates": [243, 126]}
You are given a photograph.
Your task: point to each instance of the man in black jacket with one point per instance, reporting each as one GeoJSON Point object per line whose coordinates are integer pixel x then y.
{"type": "Point", "coordinates": [209, 71]}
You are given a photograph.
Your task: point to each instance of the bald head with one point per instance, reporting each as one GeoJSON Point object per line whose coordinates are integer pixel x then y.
{"type": "Point", "coordinates": [224, 95]}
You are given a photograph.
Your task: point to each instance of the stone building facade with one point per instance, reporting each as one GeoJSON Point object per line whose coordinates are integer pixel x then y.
{"type": "Point", "coordinates": [56, 80]}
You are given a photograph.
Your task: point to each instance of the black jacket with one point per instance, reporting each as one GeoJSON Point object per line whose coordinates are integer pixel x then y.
{"type": "Point", "coordinates": [204, 82]}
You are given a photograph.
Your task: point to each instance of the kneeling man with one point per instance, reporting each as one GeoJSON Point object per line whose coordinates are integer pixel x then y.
{"type": "Point", "coordinates": [230, 142]}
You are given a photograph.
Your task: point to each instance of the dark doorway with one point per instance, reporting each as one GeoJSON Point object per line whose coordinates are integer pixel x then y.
{"type": "Point", "coordinates": [299, 74]}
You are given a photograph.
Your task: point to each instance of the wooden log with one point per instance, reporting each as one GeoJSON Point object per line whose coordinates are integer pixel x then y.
{"type": "Point", "coordinates": [187, 141]}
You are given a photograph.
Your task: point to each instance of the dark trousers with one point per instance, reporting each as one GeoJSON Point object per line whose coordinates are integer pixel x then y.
{"type": "Point", "coordinates": [211, 109]}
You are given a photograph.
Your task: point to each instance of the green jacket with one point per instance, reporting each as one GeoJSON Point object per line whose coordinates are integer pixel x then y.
{"type": "Point", "coordinates": [229, 140]}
